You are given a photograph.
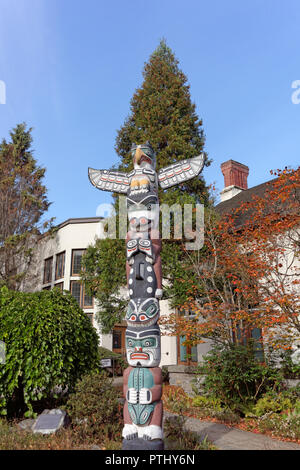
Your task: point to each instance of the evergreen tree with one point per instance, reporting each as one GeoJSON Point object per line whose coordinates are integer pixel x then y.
{"type": "Point", "coordinates": [163, 113]}
{"type": "Point", "coordinates": [23, 201]}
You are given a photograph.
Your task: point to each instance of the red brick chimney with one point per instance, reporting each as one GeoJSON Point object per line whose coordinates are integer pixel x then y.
{"type": "Point", "coordinates": [235, 179]}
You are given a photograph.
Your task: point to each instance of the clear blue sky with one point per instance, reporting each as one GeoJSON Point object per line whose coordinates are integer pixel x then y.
{"type": "Point", "coordinates": [71, 67]}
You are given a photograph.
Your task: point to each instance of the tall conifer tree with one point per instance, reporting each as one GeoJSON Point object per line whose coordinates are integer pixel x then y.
{"type": "Point", "coordinates": [163, 113]}
{"type": "Point", "coordinates": [23, 202]}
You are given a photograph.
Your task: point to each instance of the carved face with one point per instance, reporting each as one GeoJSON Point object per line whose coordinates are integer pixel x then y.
{"type": "Point", "coordinates": [142, 312]}
{"type": "Point", "coordinates": [143, 346]}
{"type": "Point", "coordinates": [143, 214]}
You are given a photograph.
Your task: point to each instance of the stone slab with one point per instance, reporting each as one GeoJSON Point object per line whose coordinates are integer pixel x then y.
{"type": "Point", "coordinates": [50, 421]}
{"type": "Point", "coordinates": [143, 444]}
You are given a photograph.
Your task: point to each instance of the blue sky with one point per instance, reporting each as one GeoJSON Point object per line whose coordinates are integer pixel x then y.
{"type": "Point", "coordinates": [71, 67]}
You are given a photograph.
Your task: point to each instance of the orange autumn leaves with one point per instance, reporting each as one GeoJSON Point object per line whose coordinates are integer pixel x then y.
{"type": "Point", "coordinates": [247, 274]}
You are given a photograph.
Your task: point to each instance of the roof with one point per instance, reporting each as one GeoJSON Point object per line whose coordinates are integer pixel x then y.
{"type": "Point", "coordinates": [79, 220]}
{"type": "Point", "coordinates": [244, 196]}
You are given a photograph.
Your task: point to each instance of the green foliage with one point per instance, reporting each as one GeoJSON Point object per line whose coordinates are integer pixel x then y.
{"type": "Point", "coordinates": [104, 271]}
{"type": "Point", "coordinates": [234, 376]}
{"type": "Point", "coordinates": [50, 343]}
{"type": "Point", "coordinates": [162, 112]}
{"type": "Point", "coordinates": [23, 201]}
{"type": "Point", "coordinates": [211, 407]}
{"type": "Point", "coordinates": [277, 402]}
{"type": "Point", "coordinates": [207, 402]}
{"type": "Point", "coordinates": [94, 407]}
{"type": "Point", "coordinates": [268, 403]}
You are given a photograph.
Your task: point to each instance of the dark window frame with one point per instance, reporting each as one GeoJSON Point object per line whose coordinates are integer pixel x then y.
{"type": "Point", "coordinates": [72, 260]}
{"type": "Point", "coordinates": [59, 285]}
{"type": "Point", "coordinates": [189, 314]}
{"type": "Point", "coordinates": [62, 253]}
{"type": "Point", "coordinates": [82, 294]}
{"type": "Point", "coordinates": [48, 280]}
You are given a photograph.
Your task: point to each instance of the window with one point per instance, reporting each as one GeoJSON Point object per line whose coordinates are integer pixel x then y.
{"type": "Point", "coordinates": [78, 291]}
{"type": "Point", "coordinates": [48, 270]}
{"type": "Point", "coordinates": [59, 285]}
{"type": "Point", "coordinates": [47, 288]}
{"type": "Point", "coordinates": [118, 340]}
{"type": "Point", "coordinates": [243, 334]}
{"type": "Point", "coordinates": [76, 262]}
{"type": "Point", "coordinates": [60, 265]}
{"type": "Point", "coordinates": [186, 353]}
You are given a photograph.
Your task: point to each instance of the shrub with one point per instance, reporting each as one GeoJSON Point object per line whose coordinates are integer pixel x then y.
{"type": "Point", "coordinates": [207, 402]}
{"type": "Point", "coordinates": [268, 403]}
{"type": "Point", "coordinates": [95, 409]}
{"type": "Point", "coordinates": [233, 375]}
{"type": "Point", "coordinates": [50, 343]}
{"type": "Point", "coordinates": [283, 425]}
{"type": "Point", "coordinates": [211, 407]}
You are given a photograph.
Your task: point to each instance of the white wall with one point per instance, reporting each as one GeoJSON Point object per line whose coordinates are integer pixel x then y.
{"type": "Point", "coordinates": [78, 234]}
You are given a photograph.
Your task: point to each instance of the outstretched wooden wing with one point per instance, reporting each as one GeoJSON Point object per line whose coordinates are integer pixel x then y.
{"type": "Point", "coordinates": [107, 180]}
{"type": "Point", "coordinates": [180, 172]}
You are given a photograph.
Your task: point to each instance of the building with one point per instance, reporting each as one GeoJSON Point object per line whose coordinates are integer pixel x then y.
{"type": "Point", "coordinates": [59, 260]}
{"type": "Point", "coordinates": [58, 264]}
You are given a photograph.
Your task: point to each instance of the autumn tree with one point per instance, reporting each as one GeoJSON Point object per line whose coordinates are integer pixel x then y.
{"type": "Point", "coordinates": [23, 201]}
{"type": "Point", "coordinates": [248, 273]}
{"type": "Point", "coordinates": [162, 112]}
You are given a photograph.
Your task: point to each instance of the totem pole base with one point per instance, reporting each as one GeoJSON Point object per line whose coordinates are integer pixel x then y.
{"type": "Point", "coordinates": [143, 444]}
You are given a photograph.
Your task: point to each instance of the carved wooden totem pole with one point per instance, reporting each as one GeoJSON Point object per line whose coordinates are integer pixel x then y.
{"type": "Point", "coordinates": [142, 384]}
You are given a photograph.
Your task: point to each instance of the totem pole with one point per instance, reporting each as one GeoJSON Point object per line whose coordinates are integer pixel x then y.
{"type": "Point", "coordinates": [142, 380]}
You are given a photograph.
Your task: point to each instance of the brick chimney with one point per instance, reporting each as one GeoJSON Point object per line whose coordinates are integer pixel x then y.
{"type": "Point", "coordinates": [235, 179]}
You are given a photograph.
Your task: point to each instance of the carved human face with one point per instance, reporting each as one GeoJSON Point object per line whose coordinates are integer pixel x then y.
{"type": "Point", "coordinates": [143, 346]}
{"type": "Point", "coordinates": [142, 312]}
{"type": "Point", "coordinates": [143, 214]}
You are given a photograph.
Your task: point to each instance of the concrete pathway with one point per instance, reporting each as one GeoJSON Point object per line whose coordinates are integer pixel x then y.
{"type": "Point", "coordinates": [227, 438]}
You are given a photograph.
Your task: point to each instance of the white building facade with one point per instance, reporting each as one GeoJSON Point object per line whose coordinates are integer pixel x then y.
{"type": "Point", "coordinates": [58, 264]}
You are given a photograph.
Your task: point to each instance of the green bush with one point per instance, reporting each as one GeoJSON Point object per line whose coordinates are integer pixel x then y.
{"type": "Point", "coordinates": [268, 403]}
{"type": "Point", "coordinates": [50, 343]}
{"type": "Point", "coordinates": [276, 402]}
{"type": "Point", "coordinates": [212, 407]}
{"type": "Point", "coordinates": [207, 402]}
{"type": "Point", "coordinates": [234, 376]}
{"type": "Point", "coordinates": [95, 409]}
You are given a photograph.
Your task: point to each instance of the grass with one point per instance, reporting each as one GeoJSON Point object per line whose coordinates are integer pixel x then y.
{"type": "Point", "coordinates": [178, 438]}
{"type": "Point", "coordinates": [13, 438]}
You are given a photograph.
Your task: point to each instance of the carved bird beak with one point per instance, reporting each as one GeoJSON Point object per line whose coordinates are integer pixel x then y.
{"type": "Point", "coordinates": [138, 155]}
